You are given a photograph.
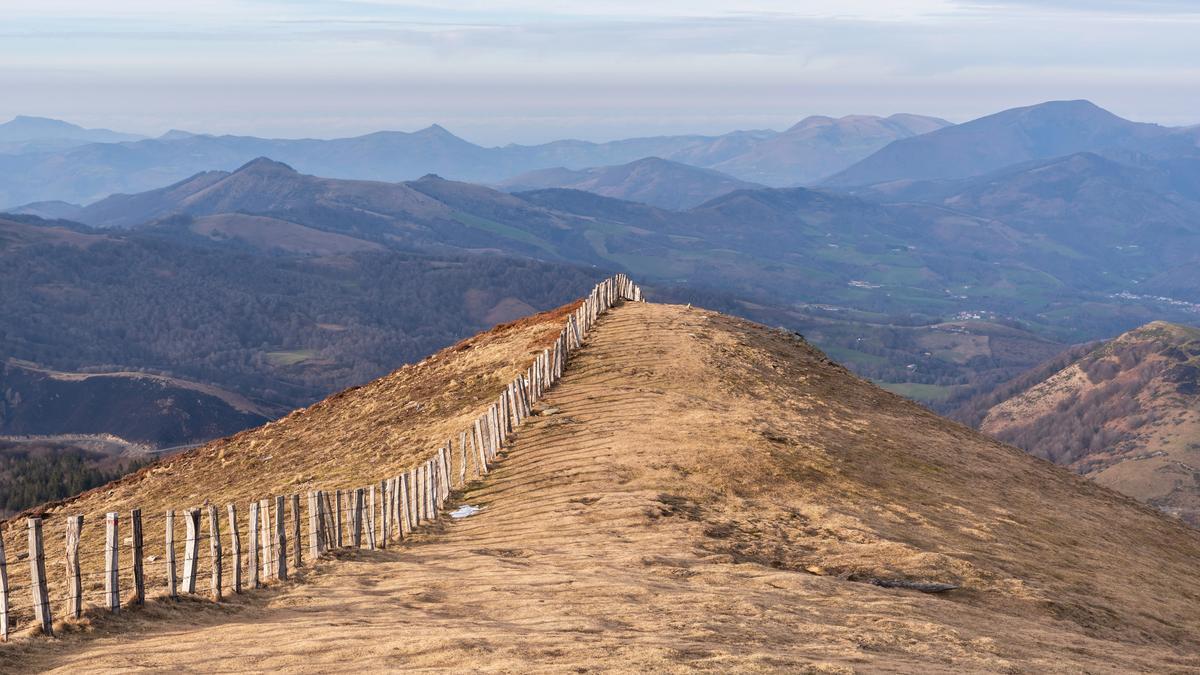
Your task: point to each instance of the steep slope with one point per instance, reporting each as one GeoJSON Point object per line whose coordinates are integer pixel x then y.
{"type": "Point", "coordinates": [708, 494]}
{"type": "Point", "coordinates": [1041, 131]}
{"type": "Point", "coordinates": [654, 181]}
{"type": "Point", "coordinates": [1125, 414]}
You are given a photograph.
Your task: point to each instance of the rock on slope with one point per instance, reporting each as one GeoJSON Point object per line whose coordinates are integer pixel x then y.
{"type": "Point", "coordinates": [1126, 414]}
{"type": "Point", "coordinates": [710, 494]}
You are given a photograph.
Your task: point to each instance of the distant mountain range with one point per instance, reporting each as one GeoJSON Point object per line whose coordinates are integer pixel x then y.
{"type": "Point", "coordinates": [812, 149]}
{"type": "Point", "coordinates": [1125, 413]}
{"type": "Point", "coordinates": [40, 134]}
{"type": "Point", "coordinates": [1036, 132]}
{"type": "Point", "coordinates": [653, 181]}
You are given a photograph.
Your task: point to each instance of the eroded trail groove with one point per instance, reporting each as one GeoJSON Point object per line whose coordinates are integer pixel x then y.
{"type": "Point", "coordinates": [711, 494]}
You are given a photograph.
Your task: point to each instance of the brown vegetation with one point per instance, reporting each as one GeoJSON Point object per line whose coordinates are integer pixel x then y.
{"type": "Point", "coordinates": [710, 494]}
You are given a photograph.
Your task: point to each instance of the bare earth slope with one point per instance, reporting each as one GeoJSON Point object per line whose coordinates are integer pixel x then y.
{"type": "Point", "coordinates": [710, 494]}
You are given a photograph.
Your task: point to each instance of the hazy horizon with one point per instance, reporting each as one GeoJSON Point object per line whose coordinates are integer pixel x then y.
{"type": "Point", "coordinates": [523, 71]}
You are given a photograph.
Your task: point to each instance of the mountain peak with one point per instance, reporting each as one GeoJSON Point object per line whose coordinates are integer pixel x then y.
{"type": "Point", "coordinates": [265, 166]}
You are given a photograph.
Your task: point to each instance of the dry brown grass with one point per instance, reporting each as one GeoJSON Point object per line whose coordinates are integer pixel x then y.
{"type": "Point", "coordinates": [712, 495]}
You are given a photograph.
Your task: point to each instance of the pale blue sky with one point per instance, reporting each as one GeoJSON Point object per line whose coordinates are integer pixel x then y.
{"type": "Point", "coordinates": [527, 71]}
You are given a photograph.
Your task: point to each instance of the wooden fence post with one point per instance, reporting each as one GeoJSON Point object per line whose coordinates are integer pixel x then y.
{"type": "Point", "coordinates": [112, 561]}
{"type": "Point", "coordinates": [74, 577]}
{"type": "Point", "coordinates": [37, 577]}
{"type": "Point", "coordinates": [191, 550]}
{"type": "Point", "coordinates": [281, 567]}
{"type": "Point", "coordinates": [370, 524]}
{"type": "Point", "coordinates": [314, 529]}
{"type": "Point", "coordinates": [329, 513]}
{"type": "Point", "coordinates": [337, 517]}
{"type": "Point", "coordinates": [477, 441]}
{"type": "Point", "coordinates": [383, 513]}
{"type": "Point", "coordinates": [356, 519]}
{"type": "Point", "coordinates": [422, 495]}
{"type": "Point", "coordinates": [214, 550]}
{"type": "Point", "coordinates": [139, 572]}
{"type": "Point", "coordinates": [235, 550]}
{"type": "Point", "coordinates": [462, 459]}
{"type": "Point", "coordinates": [4, 626]}
{"type": "Point", "coordinates": [252, 546]}
{"type": "Point", "coordinates": [268, 539]}
{"type": "Point", "coordinates": [172, 581]}
{"type": "Point", "coordinates": [297, 549]}
{"type": "Point", "coordinates": [405, 510]}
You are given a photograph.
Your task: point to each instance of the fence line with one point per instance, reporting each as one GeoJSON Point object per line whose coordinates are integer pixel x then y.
{"type": "Point", "coordinates": [403, 502]}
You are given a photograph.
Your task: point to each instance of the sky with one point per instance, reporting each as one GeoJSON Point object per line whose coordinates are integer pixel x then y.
{"type": "Point", "coordinates": [528, 71]}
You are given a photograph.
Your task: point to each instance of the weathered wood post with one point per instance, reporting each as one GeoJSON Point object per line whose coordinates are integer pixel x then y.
{"type": "Point", "coordinates": [462, 459]}
{"type": "Point", "coordinates": [252, 546]}
{"type": "Point", "coordinates": [214, 551]}
{"type": "Point", "coordinates": [268, 539]}
{"type": "Point", "coordinates": [444, 464]}
{"type": "Point", "coordinates": [172, 580]}
{"type": "Point", "coordinates": [298, 550]}
{"type": "Point", "coordinates": [337, 518]}
{"type": "Point", "coordinates": [4, 620]}
{"type": "Point", "coordinates": [405, 508]}
{"type": "Point", "coordinates": [112, 561]}
{"type": "Point", "coordinates": [422, 495]}
{"type": "Point", "coordinates": [383, 513]}
{"type": "Point", "coordinates": [191, 550]}
{"type": "Point", "coordinates": [37, 578]}
{"type": "Point", "coordinates": [328, 515]}
{"type": "Point", "coordinates": [314, 527]}
{"type": "Point", "coordinates": [139, 572]}
{"type": "Point", "coordinates": [74, 577]}
{"type": "Point", "coordinates": [281, 544]}
{"type": "Point", "coordinates": [477, 441]}
{"type": "Point", "coordinates": [235, 550]}
{"type": "Point", "coordinates": [356, 519]}
{"type": "Point", "coordinates": [370, 524]}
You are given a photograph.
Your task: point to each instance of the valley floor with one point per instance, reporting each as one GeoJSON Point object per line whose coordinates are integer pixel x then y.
{"type": "Point", "coordinates": [672, 516]}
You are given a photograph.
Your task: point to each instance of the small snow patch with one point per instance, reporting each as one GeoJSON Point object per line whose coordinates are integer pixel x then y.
{"type": "Point", "coordinates": [464, 511]}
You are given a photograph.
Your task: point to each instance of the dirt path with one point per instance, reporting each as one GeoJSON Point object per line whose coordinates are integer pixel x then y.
{"type": "Point", "coordinates": [601, 546]}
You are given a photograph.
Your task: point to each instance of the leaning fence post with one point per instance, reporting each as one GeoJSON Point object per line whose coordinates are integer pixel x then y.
{"type": "Point", "coordinates": [191, 550]}
{"type": "Point", "coordinates": [37, 577]}
{"type": "Point", "coordinates": [112, 561]}
{"type": "Point", "coordinates": [172, 582]}
{"type": "Point", "coordinates": [297, 549]}
{"type": "Point", "coordinates": [281, 569]}
{"type": "Point", "coordinates": [214, 550]}
{"type": "Point", "coordinates": [74, 577]}
{"type": "Point", "coordinates": [235, 550]}
{"type": "Point", "coordinates": [139, 576]}
{"type": "Point", "coordinates": [3, 593]}
{"type": "Point", "coordinates": [252, 546]}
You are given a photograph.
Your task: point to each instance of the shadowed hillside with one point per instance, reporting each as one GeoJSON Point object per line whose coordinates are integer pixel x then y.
{"type": "Point", "coordinates": [701, 492]}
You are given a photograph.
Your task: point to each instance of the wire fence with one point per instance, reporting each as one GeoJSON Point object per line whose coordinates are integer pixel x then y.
{"type": "Point", "coordinates": [105, 562]}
